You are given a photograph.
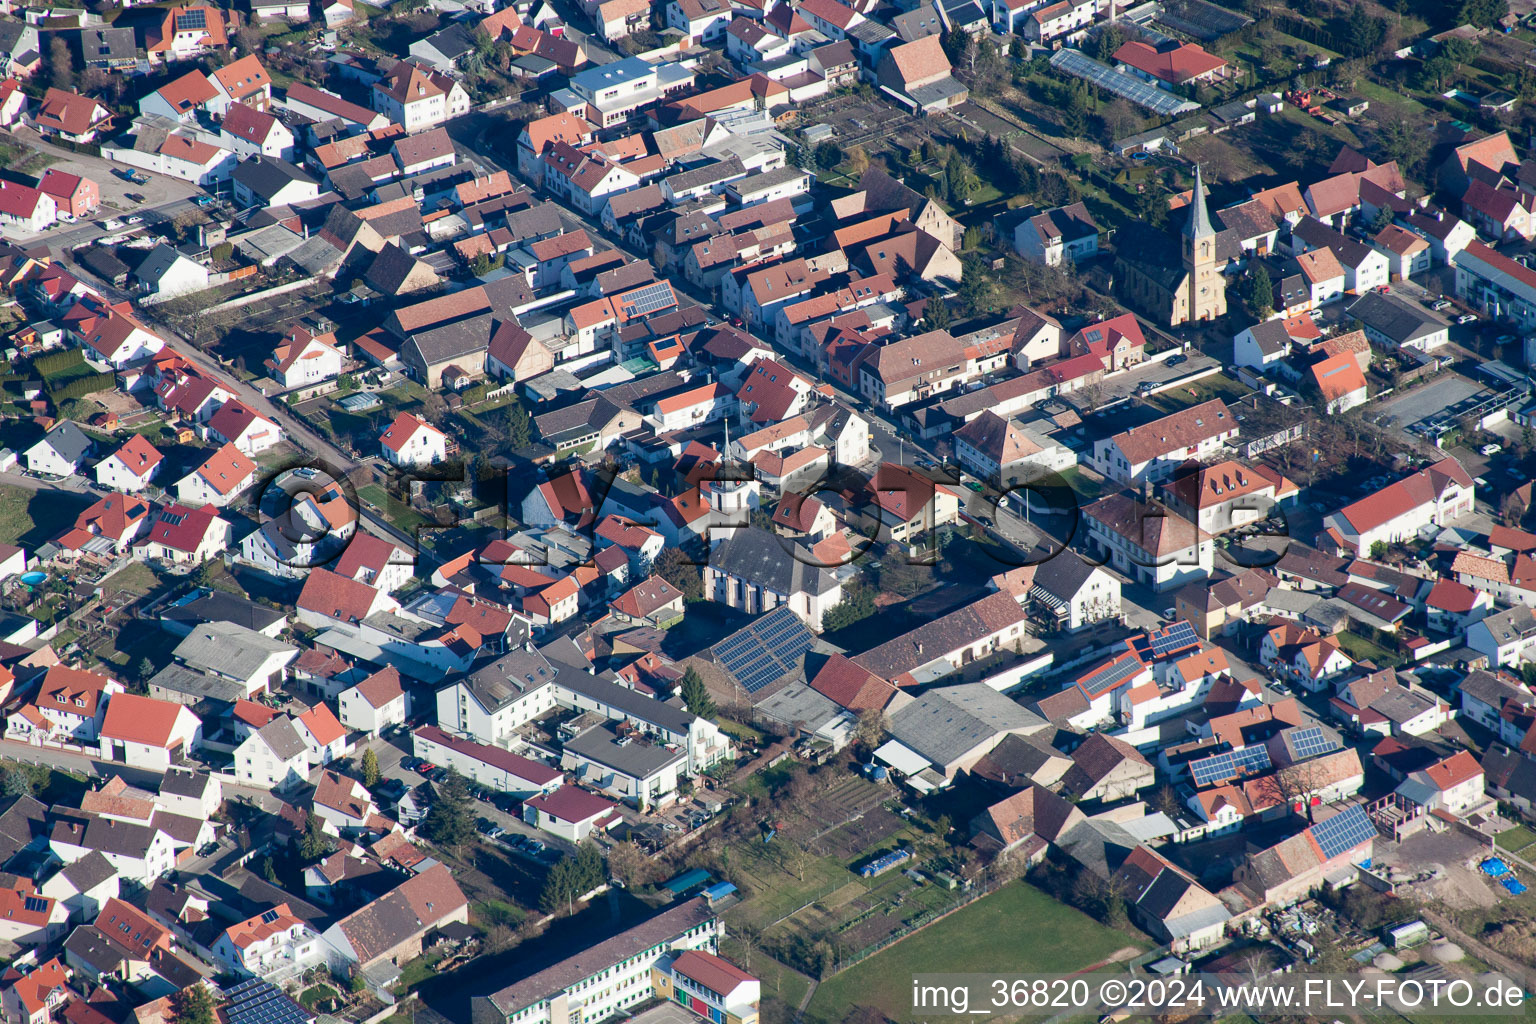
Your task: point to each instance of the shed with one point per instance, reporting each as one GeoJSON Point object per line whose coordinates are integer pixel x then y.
{"type": "Point", "coordinates": [686, 882]}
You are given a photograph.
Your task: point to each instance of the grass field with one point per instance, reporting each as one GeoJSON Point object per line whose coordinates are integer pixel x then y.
{"type": "Point", "coordinates": [401, 515]}
{"type": "Point", "coordinates": [1515, 839]}
{"type": "Point", "coordinates": [1037, 933]}
{"type": "Point", "coordinates": [1362, 649]}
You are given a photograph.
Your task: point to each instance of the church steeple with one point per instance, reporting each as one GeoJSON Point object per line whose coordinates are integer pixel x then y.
{"type": "Point", "coordinates": [1199, 225]}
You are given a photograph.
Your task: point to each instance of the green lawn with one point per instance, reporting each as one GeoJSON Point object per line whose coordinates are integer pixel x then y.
{"type": "Point", "coordinates": [1515, 839]}
{"type": "Point", "coordinates": [1018, 929]}
{"type": "Point", "coordinates": [1362, 649]}
{"type": "Point", "coordinates": [417, 971]}
{"type": "Point", "coordinates": [14, 520]}
{"type": "Point", "coordinates": [401, 515]}
{"type": "Point", "coordinates": [317, 994]}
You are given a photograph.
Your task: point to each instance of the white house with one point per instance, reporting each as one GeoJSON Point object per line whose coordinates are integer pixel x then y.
{"type": "Point", "coordinates": [166, 273]}
{"type": "Point", "coordinates": [410, 441]}
{"type": "Point", "coordinates": [1455, 785]}
{"type": "Point", "coordinates": [374, 704]}
{"type": "Point", "coordinates": [1505, 638]}
{"type": "Point", "coordinates": [131, 467]}
{"type": "Point", "coordinates": [1065, 233]}
{"type": "Point", "coordinates": [275, 944]}
{"type": "Point", "coordinates": [1151, 452]}
{"type": "Point", "coordinates": [148, 733]}
{"type": "Point", "coordinates": [238, 424]}
{"type": "Point", "coordinates": [1433, 496]}
{"type": "Point", "coordinates": [324, 738]}
{"type": "Point", "coordinates": [570, 813]}
{"type": "Point", "coordinates": [303, 357]}
{"type": "Point", "coordinates": [61, 451]}
{"type": "Point", "coordinates": [221, 477]}
{"type": "Point", "coordinates": [273, 757]}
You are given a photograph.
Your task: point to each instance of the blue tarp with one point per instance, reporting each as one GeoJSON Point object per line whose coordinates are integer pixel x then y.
{"type": "Point", "coordinates": [1495, 867]}
{"type": "Point", "coordinates": [1514, 885]}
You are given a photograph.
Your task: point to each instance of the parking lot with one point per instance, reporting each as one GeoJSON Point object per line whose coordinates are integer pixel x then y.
{"type": "Point", "coordinates": [1444, 396]}
{"type": "Point", "coordinates": [159, 191]}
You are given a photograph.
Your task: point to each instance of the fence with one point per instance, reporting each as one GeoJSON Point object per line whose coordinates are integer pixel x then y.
{"type": "Point", "coordinates": [245, 300]}
{"type": "Point", "coordinates": [932, 917]}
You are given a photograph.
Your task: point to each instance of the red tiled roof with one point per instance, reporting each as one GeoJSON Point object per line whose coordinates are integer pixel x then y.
{"type": "Point", "coordinates": [1176, 65]}
{"type": "Point", "coordinates": [135, 719]}
{"type": "Point", "coordinates": [570, 804]}
{"type": "Point", "coordinates": [335, 596]}
{"type": "Point", "coordinates": [322, 725]}
{"type": "Point", "coordinates": [381, 687]}
{"type": "Point", "coordinates": [181, 527]}
{"type": "Point", "coordinates": [263, 926]}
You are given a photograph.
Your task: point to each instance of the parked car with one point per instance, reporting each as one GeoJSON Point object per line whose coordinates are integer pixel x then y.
{"type": "Point", "coordinates": [134, 197]}
{"type": "Point", "coordinates": [1440, 304]}
{"type": "Point", "coordinates": [426, 768]}
{"type": "Point", "coordinates": [1466, 318]}
{"type": "Point", "coordinates": [1491, 449]}
{"type": "Point", "coordinates": [1175, 360]}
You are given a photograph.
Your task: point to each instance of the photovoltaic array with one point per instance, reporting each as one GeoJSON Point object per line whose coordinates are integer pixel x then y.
{"type": "Point", "coordinates": [259, 1002]}
{"type": "Point", "coordinates": [1310, 742]}
{"type": "Point", "coordinates": [766, 650]}
{"type": "Point", "coordinates": [1343, 831]}
{"type": "Point", "coordinates": [1219, 768]}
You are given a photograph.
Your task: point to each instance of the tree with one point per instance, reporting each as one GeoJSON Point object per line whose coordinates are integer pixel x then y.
{"type": "Point", "coordinates": [16, 781]}
{"type": "Point", "coordinates": [1105, 42]}
{"type": "Point", "coordinates": [975, 291]}
{"type": "Point", "coordinates": [61, 64]}
{"type": "Point", "coordinates": [696, 694]}
{"type": "Point", "coordinates": [1362, 33]}
{"type": "Point", "coordinates": [1257, 293]}
{"type": "Point", "coordinates": [1074, 110]}
{"type": "Point", "coordinates": [858, 161]}
{"type": "Point", "coordinates": [629, 864]}
{"type": "Point", "coordinates": [314, 845]}
{"type": "Point", "coordinates": [1482, 13]}
{"type": "Point", "coordinates": [1167, 801]}
{"type": "Point", "coordinates": [449, 822]}
{"type": "Point", "coordinates": [370, 768]}
{"type": "Point", "coordinates": [871, 729]}
{"type": "Point", "coordinates": [519, 425]}
{"type": "Point", "coordinates": [961, 177]}
{"type": "Point", "coordinates": [559, 889]}
{"type": "Point", "coordinates": [193, 1005]}
{"type": "Point", "coordinates": [1378, 550]}
{"type": "Point", "coordinates": [936, 314]}
{"type": "Point", "coordinates": [1512, 509]}
{"type": "Point", "coordinates": [858, 603]}
{"type": "Point", "coordinates": [678, 569]}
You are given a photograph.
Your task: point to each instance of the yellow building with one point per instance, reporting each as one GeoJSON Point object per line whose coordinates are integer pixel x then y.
{"type": "Point", "coordinates": [712, 987]}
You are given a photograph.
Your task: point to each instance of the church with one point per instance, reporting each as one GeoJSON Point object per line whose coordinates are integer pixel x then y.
{"type": "Point", "coordinates": [1176, 287]}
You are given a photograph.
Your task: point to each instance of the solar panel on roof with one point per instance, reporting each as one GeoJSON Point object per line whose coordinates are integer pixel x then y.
{"type": "Point", "coordinates": [1252, 759]}
{"type": "Point", "coordinates": [764, 650]}
{"type": "Point", "coordinates": [1180, 634]}
{"type": "Point", "coordinates": [1310, 742]}
{"type": "Point", "coordinates": [187, 21]}
{"type": "Point", "coordinates": [35, 904]}
{"type": "Point", "coordinates": [1343, 831]}
{"type": "Point", "coordinates": [1113, 674]}
{"type": "Point", "coordinates": [649, 299]}
{"type": "Point", "coordinates": [1208, 771]}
